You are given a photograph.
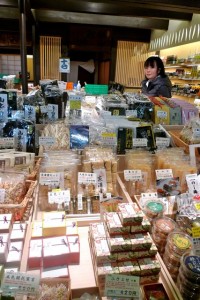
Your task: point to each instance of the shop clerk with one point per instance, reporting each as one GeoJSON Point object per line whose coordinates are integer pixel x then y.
{"type": "Point", "coordinates": [156, 82]}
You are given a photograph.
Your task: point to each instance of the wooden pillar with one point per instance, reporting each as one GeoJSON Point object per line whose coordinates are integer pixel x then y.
{"type": "Point", "coordinates": [36, 55]}
{"type": "Point", "coordinates": [23, 50]}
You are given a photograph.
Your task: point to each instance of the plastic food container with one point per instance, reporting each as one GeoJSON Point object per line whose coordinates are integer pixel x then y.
{"type": "Point", "coordinates": [153, 208]}
{"type": "Point", "coordinates": [190, 266]}
{"type": "Point", "coordinates": [171, 258]}
{"type": "Point", "coordinates": [178, 242]}
{"type": "Point", "coordinates": [186, 284]}
{"type": "Point", "coordinates": [164, 225]}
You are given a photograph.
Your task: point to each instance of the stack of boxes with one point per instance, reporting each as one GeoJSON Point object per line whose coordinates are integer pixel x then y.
{"type": "Point", "coordinates": [54, 243]}
{"type": "Point", "coordinates": [12, 237]}
{"type": "Point", "coordinates": [121, 244]}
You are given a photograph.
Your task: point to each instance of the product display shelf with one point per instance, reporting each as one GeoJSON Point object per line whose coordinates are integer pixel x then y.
{"type": "Point", "coordinates": [82, 276]}
{"type": "Point", "coordinates": [165, 277]}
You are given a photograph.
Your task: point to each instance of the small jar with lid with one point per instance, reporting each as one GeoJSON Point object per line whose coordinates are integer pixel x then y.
{"type": "Point", "coordinates": [162, 226]}
{"type": "Point", "coordinates": [190, 265]}
{"type": "Point", "coordinates": [178, 242]}
{"type": "Point", "coordinates": [153, 208]}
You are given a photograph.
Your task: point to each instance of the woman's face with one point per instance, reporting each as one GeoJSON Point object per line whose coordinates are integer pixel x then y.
{"type": "Point", "coordinates": [151, 72]}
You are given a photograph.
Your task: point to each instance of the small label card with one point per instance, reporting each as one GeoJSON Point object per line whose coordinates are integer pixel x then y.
{"type": "Point", "coordinates": [20, 283]}
{"type": "Point", "coordinates": [122, 286]}
{"type": "Point", "coordinates": [164, 173]}
{"type": "Point", "coordinates": [131, 113]}
{"type": "Point", "coordinates": [133, 175]}
{"type": "Point", "coordinates": [162, 114]}
{"type": "Point", "coordinates": [162, 142]}
{"type": "Point", "coordinates": [46, 140]}
{"type": "Point", "coordinates": [87, 178]}
{"type": "Point", "coordinates": [140, 142]}
{"type": "Point", "coordinates": [59, 197]}
{"type": "Point", "coordinates": [7, 142]}
{"type": "Point", "coordinates": [50, 179]}
{"type": "Point", "coordinates": [2, 195]}
{"type": "Point", "coordinates": [109, 138]}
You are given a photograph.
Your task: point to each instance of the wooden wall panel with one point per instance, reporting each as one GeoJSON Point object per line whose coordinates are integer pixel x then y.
{"type": "Point", "coordinates": [50, 52]}
{"type": "Point", "coordinates": [129, 63]}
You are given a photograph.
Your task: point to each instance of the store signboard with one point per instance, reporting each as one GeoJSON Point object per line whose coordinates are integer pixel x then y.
{"type": "Point", "coordinates": [64, 65]}
{"type": "Point", "coordinates": [122, 286]}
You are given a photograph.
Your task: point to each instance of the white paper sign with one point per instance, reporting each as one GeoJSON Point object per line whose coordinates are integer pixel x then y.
{"type": "Point", "coordinates": [87, 178]}
{"type": "Point", "coordinates": [52, 179]}
{"type": "Point", "coordinates": [140, 142]}
{"type": "Point", "coordinates": [133, 175]}
{"type": "Point", "coordinates": [64, 65]}
{"type": "Point", "coordinates": [162, 142]}
{"type": "Point", "coordinates": [7, 142]}
{"type": "Point", "coordinates": [46, 140]}
{"type": "Point", "coordinates": [59, 197]}
{"type": "Point", "coordinates": [132, 113]}
{"type": "Point", "coordinates": [122, 286]}
{"type": "Point", "coordinates": [161, 114]}
{"type": "Point", "coordinates": [164, 173]}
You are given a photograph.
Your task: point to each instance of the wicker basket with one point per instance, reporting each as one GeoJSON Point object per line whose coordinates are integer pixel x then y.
{"type": "Point", "coordinates": [34, 173]}
{"type": "Point", "coordinates": [18, 209]}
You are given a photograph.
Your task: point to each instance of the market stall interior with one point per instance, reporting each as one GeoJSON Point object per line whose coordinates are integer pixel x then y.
{"type": "Point", "coordinates": [99, 183]}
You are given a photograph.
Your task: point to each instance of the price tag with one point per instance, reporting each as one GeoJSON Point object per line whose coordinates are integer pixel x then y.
{"type": "Point", "coordinates": [196, 232]}
{"type": "Point", "coordinates": [196, 245]}
{"type": "Point", "coordinates": [52, 179]}
{"type": "Point", "coordinates": [59, 197]}
{"type": "Point", "coordinates": [149, 196]}
{"type": "Point", "coordinates": [7, 142]}
{"type": "Point", "coordinates": [132, 113]}
{"type": "Point", "coordinates": [122, 286]}
{"type": "Point", "coordinates": [164, 173]}
{"type": "Point", "coordinates": [133, 175]}
{"type": "Point", "coordinates": [44, 109]}
{"type": "Point", "coordinates": [109, 138]}
{"type": "Point", "coordinates": [20, 283]}
{"type": "Point", "coordinates": [140, 142]}
{"type": "Point", "coordinates": [162, 114]}
{"type": "Point", "coordinates": [46, 140]}
{"type": "Point", "coordinates": [75, 104]}
{"type": "Point", "coordinates": [87, 178]}
{"type": "Point", "coordinates": [2, 195]}
{"type": "Point", "coordinates": [162, 142]}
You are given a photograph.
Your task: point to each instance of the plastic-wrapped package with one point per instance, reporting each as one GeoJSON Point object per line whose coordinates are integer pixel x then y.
{"type": "Point", "coordinates": [103, 163]}
{"type": "Point", "coordinates": [36, 100]}
{"type": "Point", "coordinates": [13, 187]}
{"type": "Point", "coordinates": [140, 159]}
{"type": "Point", "coordinates": [140, 104]}
{"type": "Point", "coordinates": [190, 134]}
{"type": "Point", "coordinates": [60, 131]}
{"type": "Point", "coordinates": [53, 97]}
{"type": "Point", "coordinates": [23, 132]}
{"type": "Point", "coordinates": [178, 161]}
{"type": "Point", "coordinates": [60, 175]}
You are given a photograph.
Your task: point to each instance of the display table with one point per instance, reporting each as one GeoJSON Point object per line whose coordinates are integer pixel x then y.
{"type": "Point", "coordinates": [82, 275]}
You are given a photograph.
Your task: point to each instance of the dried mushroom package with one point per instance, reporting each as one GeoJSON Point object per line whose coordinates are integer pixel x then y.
{"type": "Point", "coordinates": [58, 130]}
{"type": "Point", "coordinates": [13, 187]}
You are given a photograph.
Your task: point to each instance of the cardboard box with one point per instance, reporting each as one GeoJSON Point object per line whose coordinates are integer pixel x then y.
{"type": "Point", "coordinates": [35, 254]}
{"type": "Point", "coordinates": [74, 247]}
{"type": "Point", "coordinates": [53, 224]}
{"type": "Point", "coordinates": [36, 230]}
{"type": "Point", "coordinates": [149, 266]}
{"type": "Point", "coordinates": [4, 247]}
{"type": "Point", "coordinates": [55, 251]}
{"type": "Point", "coordinates": [15, 254]}
{"type": "Point", "coordinates": [114, 225]}
{"type": "Point", "coordinates": [55, 272]}
{"type": "Point", "coordinates": [130, 213]}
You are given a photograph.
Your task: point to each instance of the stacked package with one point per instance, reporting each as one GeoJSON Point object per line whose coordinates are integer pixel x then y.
{"type": "Point", "coordinates": [103, 162]}
{"type": "Point", "coordinates": [188, 110]}
{"type": "Point", "coordinates": [12, 236]}
{"type": "Point", "coordinates": [54, 243]}
{"type": "Point", "coordinates": [121, 245]}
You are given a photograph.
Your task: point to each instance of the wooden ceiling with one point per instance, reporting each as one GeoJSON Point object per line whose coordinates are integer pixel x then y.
{"type": "Point", "coordinates": [142, 14]}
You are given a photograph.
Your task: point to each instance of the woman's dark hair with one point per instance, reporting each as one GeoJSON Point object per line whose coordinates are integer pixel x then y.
{"type": "Point", "coordinates": [155, 60]}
